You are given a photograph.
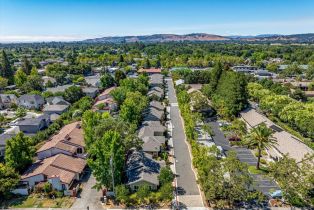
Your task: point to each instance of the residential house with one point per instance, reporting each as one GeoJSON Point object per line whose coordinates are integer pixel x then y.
{"type": "Point", "coordinates": [59, 170]}
{"type": "Point", "coordinates": [69, 141]}
{"type": "Point", "coordinates": [286, 142]}
{"type": "Point", "coordinates": [49, 81]}
{"type": "Point", "coordinates": [245, 69]}
{"type": "Point", "coordinates": [33, 125]}
{"type": "Point", "coordinates": [4, 137]}
{"type": "Point", "coordinates": [105, 94]}
{"type": "Point", "coordinates": [303, 85]}
{"type": "Point", "coordinates": [58, 89]}
{"type": "Point", "coordinates": [147, 130]}
{"type": "Point", "coordinates": [90, 91]}
{"type": "Point", "coordinates": [261, 74]}
{"type": "Point", "coordinates": [93, 81]}
{"type": "Point", "coordinates": [153, 144]}
{"type": "Point", "coordinates": [156, 80]}
{"type": "Point", "coordinates": [142, 169]}
{"type": "Point", "coordinates": [156, 93]}
{"type": "Point", "coordinates": [283, 67]}
{"type": "Point", "coordinates": [105, 105]}
{"type": "Point", "coordinates": [153, 114]}
{"type": "Point", "coordinates": [7, 100]}
{"type": "Point", "coordinates": [157, 105]}
{"type": "Point", "coordinates": [150, 71]}
{"type": "Point", "coordinates": [55, 109]}
{"type": "Point", "coordinates": [105, 102]}
{"type": "Point", "coordinates": [56, 100]}
{"type": "Point", "coordinates": [31, 101]}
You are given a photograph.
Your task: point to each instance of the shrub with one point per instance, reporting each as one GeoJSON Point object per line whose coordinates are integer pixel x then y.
{"type": "Point", "coordinates": [47, 187]}
{"type": "Point", "coordinates": [263, 161]}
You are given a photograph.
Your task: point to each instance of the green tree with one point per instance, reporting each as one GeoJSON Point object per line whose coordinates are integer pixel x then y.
{"type": "Point", "coordinates": [273, 67]}
{"type": "Point", "coordinates": [198, 101]}
{"type": "Point", "coordinates": [132, 107]}
{"type": "Point", "coordinates": [20, 77]}
{"type": "Point", "coordinates": [20, 112]}
{"type": "Point", "coordinates": [214, 79]}
{"type": "Point", "coordinates": [73, 94]}
{"type": "Point", "coordinates": [34, 71]}
{"type": "Point", "coordinates": [18, 152]}
{"type": "Point", "coordinates": [8, 180]}
{"type": "Point", "coordinates": [5, 67]}
{"type": "Point", "coordinates": [33, 83]}
{"type": "Point", "coordinates": [260, 137]}
{"type": "Point", "coordinates": [107, 158]}
{"type": "Point", "coordinates": [166, 192]}
{"type": "Point", "coordinates": [238, 127]}
{"type": "Point", "coordinates": [26, 65]}
{"type": "Point", "coordinates": [3, 82]}
{"type": "Point", "coordinates": [122, 193]}
{"type": "Point", "coordinates": [119, 75]}
{"type": "Point", "coordinates": [107, 81]}
{"type": "Point", "coordinates": [298, 95]}
{"type": "Point", "coordinates": [295, 179]}
{"type": "Point", "coordinates": [238, 179]}
{"type": "Point", "coordinates": [146, 64]}
{"type": "Point", "coordinates": [119, 95]}
{"type": "Point", "coordinates": [231, 95]}
{"type": "Point", "coordinates": [165, 175]}
{"type": "Point", "coordinates": [143, 192]}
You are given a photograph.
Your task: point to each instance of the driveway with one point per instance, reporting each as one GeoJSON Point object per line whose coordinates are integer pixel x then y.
{"type": "Point", "coordinates": [188, 191]}
{"type": "Point", "coordinates": [88, 197]}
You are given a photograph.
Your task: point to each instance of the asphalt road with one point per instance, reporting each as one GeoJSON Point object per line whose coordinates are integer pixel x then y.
{"type": "Point", "coordinates": [89, 197]}
{"type": "Point", "coordinates": [186, 180]}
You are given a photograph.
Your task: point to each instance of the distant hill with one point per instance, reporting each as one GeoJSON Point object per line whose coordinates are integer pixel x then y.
{"type": "Point", "coordinates": [160, 38]}
{"type": "Point", "coordinates": [202, 37]}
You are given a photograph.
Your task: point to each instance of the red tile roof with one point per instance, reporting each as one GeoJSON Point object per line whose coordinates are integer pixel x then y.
{"type": "Point", "coordinates": [151, 70]}
{"type": "Point", "coordinates": [68, 138]}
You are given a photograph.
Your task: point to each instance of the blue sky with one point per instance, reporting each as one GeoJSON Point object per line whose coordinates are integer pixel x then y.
{"type": "Point", "coordinates": [45, 20]}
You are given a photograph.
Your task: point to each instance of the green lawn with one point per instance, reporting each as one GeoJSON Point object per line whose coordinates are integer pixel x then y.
{"type": "Point", "coordinates": [36, 201]}
{"type": "Point", "coordinates": [253, 170]}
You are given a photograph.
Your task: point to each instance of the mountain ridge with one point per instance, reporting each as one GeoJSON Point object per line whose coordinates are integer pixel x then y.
{"type": "Point", "coordinates": [202, 37]}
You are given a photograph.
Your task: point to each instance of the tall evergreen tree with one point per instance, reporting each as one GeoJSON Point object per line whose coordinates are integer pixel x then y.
{"type": "Point", "coordinates": [26, 66]}
{"type": "Point", "coordinates": [5, 67]}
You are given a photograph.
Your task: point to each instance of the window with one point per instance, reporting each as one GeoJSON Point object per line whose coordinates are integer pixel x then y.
{"type": "Point", "coordinates": [135, 187]}
{"type": "Point", "coordinates": [79, 150]}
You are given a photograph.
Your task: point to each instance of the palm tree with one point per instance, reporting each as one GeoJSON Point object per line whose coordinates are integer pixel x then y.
{"type": "Point", "coordinates": [260, 137]}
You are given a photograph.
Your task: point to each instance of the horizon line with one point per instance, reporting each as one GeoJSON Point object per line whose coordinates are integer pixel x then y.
{"type": "Point", "coordinates": [19, 39]}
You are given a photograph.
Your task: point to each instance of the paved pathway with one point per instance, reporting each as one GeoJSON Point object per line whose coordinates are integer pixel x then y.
{"type": "Point", "coordinates": [261, 183]}
{"type": "Point", "coordinates": [188, 191]}
{"type": "Point", "coordinates": [89, 197]}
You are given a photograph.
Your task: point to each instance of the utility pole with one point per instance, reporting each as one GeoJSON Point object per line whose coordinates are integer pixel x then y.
{"type": "Point", "coordinates": [112, 173]}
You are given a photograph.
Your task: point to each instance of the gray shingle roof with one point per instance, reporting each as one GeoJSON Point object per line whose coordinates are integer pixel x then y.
{"type": "Point", "coordinates": [93, 80]}
{"type": "Point", "coordinates": [57, 108]}
{"type": "Point", "coordinates": [33, 121]}
{"type": "Point", "coordinates": [31, 97]}
{"type": "Point", "coordinates": [58, 88]}
{"type": "Point", "coordinates": [141, 166]}
{"type": "Point", "coordinates": [4, 137]}
{"type": "Point", "coordinates": [157, 105]}
{"type": "Point", "coordinates": [57, 100]}
{"type": "Point", "coordinates": [89, 89]}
